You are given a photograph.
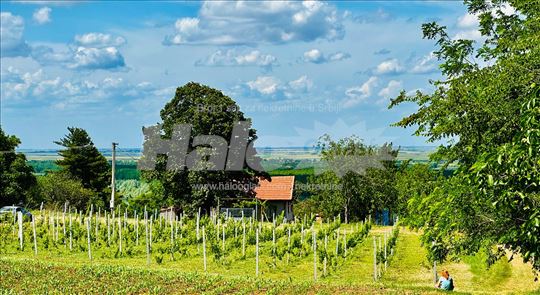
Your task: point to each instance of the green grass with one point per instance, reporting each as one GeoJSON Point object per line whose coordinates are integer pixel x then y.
{"type": "Point", "coordinates": [56, 270]}
{"type": "Point", "coordinates": [27, 276]}
{"type": "Point", "coordinates": [410, 268]}
{"type": "Point", "coordinates": [500, 272]}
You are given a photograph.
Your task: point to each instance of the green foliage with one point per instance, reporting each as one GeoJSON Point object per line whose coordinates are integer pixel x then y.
{"type": "Point", "coordinates": [510, 175]}
{"type": "Point", "coordinates": [43, 166]}
{"type": "Point", "coordinates": [58, 188]}
{"type": "Point", "coordinates": [127, 169]}
{"type": "Point", "coordinates": [177, 239]}
{"type": "Point", "coordinates": [356, 194]}
{"type": "Point", "coordinates": [307, 207]}
{"type": "Point", "coordinates": [209, 112]}
{"type": "Point", "coordinates": [390, 244]}
{"type": "Point", "coordinates": [413, 183]}
{"type": "Point", "coordinates": [16, 179]}
{"type": "Point", "coordinates": [491, 113]}
{"type": "Point", "coordinates": [136, 195]}
{"type": "Point", "coordinates": [81, 160]}
{"type": "Point", "coordinates": [328, 202]}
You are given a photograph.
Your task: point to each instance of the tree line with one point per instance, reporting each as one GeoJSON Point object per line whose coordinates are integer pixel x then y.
{"type": "Point", "coordinates": [82, 178]}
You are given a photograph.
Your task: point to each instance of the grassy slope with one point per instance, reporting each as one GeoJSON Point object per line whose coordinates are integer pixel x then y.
{"type": "Point", "coordinates": [410, 268]}
{"type": "Point", "coordinates": [28, 276]}
{"type": "Point", "coordinates": [408, 272]}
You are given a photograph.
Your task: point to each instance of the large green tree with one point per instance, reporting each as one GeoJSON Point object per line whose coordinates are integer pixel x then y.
{"type": "Point", "coordinates": [358, 181]}
{"type": "Point", "coordinates": [489, 111]}
{"type": "Point", "coordinates": [209, 112]}
{"type": "Point", "coordinates": [82, 161]}
{"type": "Point", "coordinates": [16, 176]}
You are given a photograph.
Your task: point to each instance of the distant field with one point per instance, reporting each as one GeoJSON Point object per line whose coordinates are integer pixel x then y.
{"type": "Point", "coordinates": [278, 161]}
{"type": "Point", "coordinates": [125, 169]}
{"type": "Point", "coordinates": [293, 153]}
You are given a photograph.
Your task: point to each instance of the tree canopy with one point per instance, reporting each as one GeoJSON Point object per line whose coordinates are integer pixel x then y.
{"type": "Point", "coordinates": [59, 188]}
{"type": "Point", "coordinates": [357, 182]}
{"type": "Point", "coordinates": [82, 161]}
{"type": "Point", "coordinates": [488, 110]}
{"type": "Point", "coordinates": [16, 176]}
{"type": "Point", "coordinates": [209, 112]}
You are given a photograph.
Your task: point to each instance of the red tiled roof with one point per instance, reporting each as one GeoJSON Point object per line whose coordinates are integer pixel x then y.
{"type": "Point", "coordinates": [280, 188]}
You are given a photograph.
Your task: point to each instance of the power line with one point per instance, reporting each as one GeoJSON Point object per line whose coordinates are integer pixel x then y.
{"type": "Point", "coordinates": [113, 185]}
{"type": "Point", "coordinates": [50, 150]}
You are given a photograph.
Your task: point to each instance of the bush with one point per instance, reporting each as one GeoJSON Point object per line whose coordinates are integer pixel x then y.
{"type": "Point", "coordinates": [58, 188]}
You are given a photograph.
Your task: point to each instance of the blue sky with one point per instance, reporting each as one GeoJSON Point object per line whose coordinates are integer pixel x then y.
{"type": "Point", "coordinates": [298, 69]}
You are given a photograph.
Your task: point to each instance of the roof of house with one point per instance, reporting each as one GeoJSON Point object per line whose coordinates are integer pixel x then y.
{"type": "Point", "coordinates": [279, 189]}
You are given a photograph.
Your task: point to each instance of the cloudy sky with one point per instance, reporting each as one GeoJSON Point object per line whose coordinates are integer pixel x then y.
{"type": "Point", "coordinates": [298, 69]}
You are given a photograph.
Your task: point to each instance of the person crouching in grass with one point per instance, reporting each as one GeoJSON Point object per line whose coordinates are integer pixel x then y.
{"type": "Point", "coordinates": [445, 281]}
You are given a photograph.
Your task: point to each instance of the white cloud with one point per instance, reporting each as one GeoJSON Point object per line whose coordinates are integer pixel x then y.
{"type": "Point", "coordinates": [301, 84]}
{"type": "Point", "coordinates": [468, 26]}
{"type": "Point", "coordinates": [99, 40]}
{"type": "Point", "coordinates": [473, 34]}
{"type": "Point", "coordinates": [40, 89]}
{"type": "Point", "coordinates": [47, 56]}
{"type": "Point", "coordinates": [11, 36]}
{"type": "Point", "coordinates": [358, 94]}
{"type": "Point", "coordinates": [314, 56]}
{"type": "Point", "coordinates": [317, 57]}
{"type": "Point", "coordinates": [427, 64]}
{"type": "Point", "coordinates": [91, 51]}
{"type": "Point", "coordinates": [391, 66]}
{"type": "Point", "coordinates": [392, 89]}
{"type": "Point", "coordinates": [248, 22]}
{"type": "Point", "coordinates": [42, 15]}
{"type": "Point", "coordinates": [187, 25]}
{"type": "Point", "coordinates": [27, 85]}
{"type": "Point", "coordinates": [507, 9]}
{"type": "Point", "coordinates": [338, 56]}
{"type": "Point", "coordinates": [424, 65]}
{"type": "Point", "coordinates": [97, 58]}
{"type": "Point", "coordinates": [468, 21]}
{"type": "Point", "coordinates": [255, 57]}
{"type": "Point", "coordinates": [234, 57]}
{"type": "Point", "coordinates": [272, 87]}
{"type": "Point", "coordinates": [264, 84]}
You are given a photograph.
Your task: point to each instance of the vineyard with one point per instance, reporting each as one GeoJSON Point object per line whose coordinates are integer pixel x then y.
{"type": "Point", "coordinates": [208, 243]}
{"type": "Point", "coordinates": [141, 253]}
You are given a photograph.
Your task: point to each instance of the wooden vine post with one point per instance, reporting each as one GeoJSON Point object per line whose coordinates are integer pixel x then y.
{"type": "Point", "coordinates": [21, 236]}
{"type": "Point", "coordinates": [374, 258]}
{"type": "Point", "coordinates": [34, 231]}
{"type": "Point", "coordinates": [146, 237]}
{"type": "Point", "coordinates": [314, 240]}
{"type": "Point", "coordinates": [88, 235]}
{"type": "Point", "coordinates": [204, 247]}
{"type": "Point", "coordinates": [257, 253]}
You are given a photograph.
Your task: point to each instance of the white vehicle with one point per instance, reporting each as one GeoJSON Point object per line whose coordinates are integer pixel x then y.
{"type": "Point", "coordinates": [13, 211]}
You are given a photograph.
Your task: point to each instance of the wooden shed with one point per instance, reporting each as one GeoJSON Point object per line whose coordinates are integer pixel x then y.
{"type": "Point", "coordinates": [278, 194]}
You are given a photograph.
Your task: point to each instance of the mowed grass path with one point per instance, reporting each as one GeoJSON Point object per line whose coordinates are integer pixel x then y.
{"type": "Point", "coordinates": [408, 273]}
{"type": "Point", "coordinates": [410, 269]}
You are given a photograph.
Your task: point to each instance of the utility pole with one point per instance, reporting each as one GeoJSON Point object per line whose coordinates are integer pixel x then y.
{"type": "Point", "coordinates": [113, 184]}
